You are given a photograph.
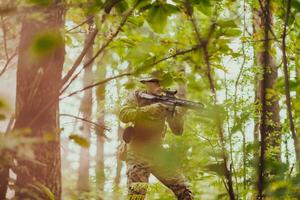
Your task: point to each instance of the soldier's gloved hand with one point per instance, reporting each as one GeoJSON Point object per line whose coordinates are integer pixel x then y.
{"type": "Point", "coordinates": [181, 110]}
{"type": "Point", "coordinates": [156, 110]}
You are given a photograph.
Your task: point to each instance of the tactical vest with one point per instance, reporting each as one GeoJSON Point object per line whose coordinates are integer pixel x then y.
{"type": "Point", "coordinates": [144, 128]}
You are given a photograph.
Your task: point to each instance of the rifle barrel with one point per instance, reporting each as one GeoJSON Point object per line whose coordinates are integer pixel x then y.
{"type": "Point", "coordinates": [172, 100]}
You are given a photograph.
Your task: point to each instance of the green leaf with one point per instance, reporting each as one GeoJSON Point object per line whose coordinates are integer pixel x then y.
{"type": "Point", "coordinates": [220, 67]}
{"type": "Point", "coordinates": [145, 66]}
{"type": "Point", "coordinates": [218, 168]}
{"type": "Point", "coordinates": [296, 5]}
{"type": "Point", "coordinates": [232, 32]}
{"type": "Point", "coordinates": [40, 2]}
{"type": "Point", "coordinates": [2, 104]}
{"type": "Point", "coordinates": [157, 18]}
{"type": "Point", "coordinates": [236, 128]}
{"type": "Point", "coordinates": [83, 142]}
{"type": "Point", "coordinates": [227, 23]}
{"type": "Point", "coordinates": [2, 117]}
{"type": "Point", "coordinates": [46, 42]}
{"type": "Point", "coordinates": [203, 6]}
{"type": "Point", "coordinates": [271, 94]}
{"type": "Point", "coordinates": [297, 18]}
{"type": "Point", "coordinates": [121, 7]}
{"type": "Point", "coordinates": [167, 79]}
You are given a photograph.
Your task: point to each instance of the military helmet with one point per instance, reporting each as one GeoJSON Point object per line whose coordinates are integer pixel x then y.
{"type": "Point", "coordinates": [150, 79]}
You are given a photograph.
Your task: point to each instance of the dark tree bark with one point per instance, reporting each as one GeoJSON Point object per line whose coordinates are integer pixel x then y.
{"type": "Point", "coordinates": [86, 110]}
{"type": "Point", "coordinates": [270, 136]}
{"type": "Point", "coordinates": [4, 172]}
{"type": "Point", "coordinates": [38, 82]}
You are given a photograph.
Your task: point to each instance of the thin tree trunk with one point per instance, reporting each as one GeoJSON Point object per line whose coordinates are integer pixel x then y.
{"type": "Point", "coordinates": [256, 92]}
{"type": "Point", "coordinates": [86, 110]}
{"type": "Point", "coordinates": [119, 166]}
{"type": "Point", "coordinates": [100, 93]}
{"type": "Point", "coordinates": [297, 111]}
{"type": "Point", "coordinates": [38, 82]}
{"type": "Point", "coordinates": [4, 172]}
{"type": "Point", "coordinates": [270, 137]}
{"type": "Point", "coordinates": [117, 179]}
{"type": "Point", "coordinates": [204, 42]}
{"type": "Point", "coordinates": [287, 88]}
{"type": "Point", "coordinates": [6, 163]}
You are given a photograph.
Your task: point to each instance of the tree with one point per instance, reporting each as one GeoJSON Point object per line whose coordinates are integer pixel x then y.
{"type": "Point", "coordinates": [287, 86]}
{"type": "Point", "coordinates": [86, 110]}
{"type": "Point", "coordinates": [41, 58]}
{"type": "Point", "coordinates": [270, 136]}
{"type": "Point", "coordinates": [100, 95]}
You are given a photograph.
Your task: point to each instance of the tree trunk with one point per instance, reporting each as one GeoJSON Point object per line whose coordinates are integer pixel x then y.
{"type": "Point", "coordinates": [100, 175]}
{"type": "Point", "coordinates": [38, 82]}
{"type": "Point", "coordinates": [287, 87]}
{"type": "Point", "coordinates": [297, 99]}
{"type": "Point", "coordinates": [119, 162]}
{"type": "Point", "coordinates": [297, 111]}
{"type": "Point", "coordinates": [204, 43]}
{"type": "Point", "coordinates": [86, 110]}
{"type": "Point", "coordinates": [117, 179]}
{"type": "Point", "coordinates": [5, 164]}
{"type": "Point", "coordinates": [270, 136]}
{"type": "Point", "coordinates": [4, 171]}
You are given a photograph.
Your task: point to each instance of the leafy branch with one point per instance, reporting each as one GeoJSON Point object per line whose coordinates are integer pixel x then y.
{"type": "Point", "coordinates": [204, 43]}
{"type": "Point", "coordinates": [102, 48]}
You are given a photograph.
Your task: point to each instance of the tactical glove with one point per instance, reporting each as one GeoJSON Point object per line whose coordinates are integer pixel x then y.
{"type": "Point", "coordinates": [154, 111]}
{"type": "Point", "coordinates": [181, 111]}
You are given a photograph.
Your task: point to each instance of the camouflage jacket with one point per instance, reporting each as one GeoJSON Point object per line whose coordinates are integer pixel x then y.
{"type": "Point", "coordinates": [148, 131]}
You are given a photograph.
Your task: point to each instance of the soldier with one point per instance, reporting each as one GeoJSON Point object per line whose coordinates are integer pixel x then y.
{"type": "Point", "coordinates": [145, 153]}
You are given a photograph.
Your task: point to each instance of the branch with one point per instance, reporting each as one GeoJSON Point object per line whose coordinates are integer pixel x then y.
{"type": "Point", "coordinates": [85, 120]}
{"type": "Point", "coordinates": [107, 80]}
{"type": "Point", "coordinates": [7, 63]}
{"type": "Point", "coordinates": [95, 84]}
{"type": "Point", "coordinates": [89, 43]}
{"type": "Point", "coordinates": [77, 62]}
{"type": "Point", "coordinates": [204, 43]}
{"type": "Point", "coordinates": [109, 4]}
{"type": "Point", "coordinates": [214, 152]}
{"type": "Point", "coordinates": [129, 74]}
{"type": "Point", "coordinates": [265, 13]}
{"type": "Point", "coordinates": [103, 46]}
{"type": "Point", "coordinates": [85, 21]}
{"type": "Point", "coordinates": [4, 37]}
{"type": "Point", "coordinates": [180, 52]}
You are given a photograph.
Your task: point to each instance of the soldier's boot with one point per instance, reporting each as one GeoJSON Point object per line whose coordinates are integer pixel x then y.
{"type": "Point", "coordinates": [137, 180]}
{"type": "Point", "coordinates": [137, 191]}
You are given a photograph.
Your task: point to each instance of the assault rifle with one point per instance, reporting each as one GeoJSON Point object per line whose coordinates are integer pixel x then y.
{"type": "Point", "coordinates": [169, 99]}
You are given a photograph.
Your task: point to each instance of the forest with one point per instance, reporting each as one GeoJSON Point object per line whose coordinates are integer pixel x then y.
{"type": "Point", "coordinates": [68, 67]}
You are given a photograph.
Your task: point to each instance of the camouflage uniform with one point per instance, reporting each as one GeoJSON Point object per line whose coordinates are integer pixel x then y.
{"type": "Point", "coordinates": [145, 154]}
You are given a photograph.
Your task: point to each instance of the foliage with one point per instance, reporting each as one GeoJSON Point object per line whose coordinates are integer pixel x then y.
{"type": "Point", "coordinates": [154, 39]}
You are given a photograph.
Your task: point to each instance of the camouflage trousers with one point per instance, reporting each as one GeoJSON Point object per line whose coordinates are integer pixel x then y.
{"type": "Point", "coordinates": [138, 172]}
